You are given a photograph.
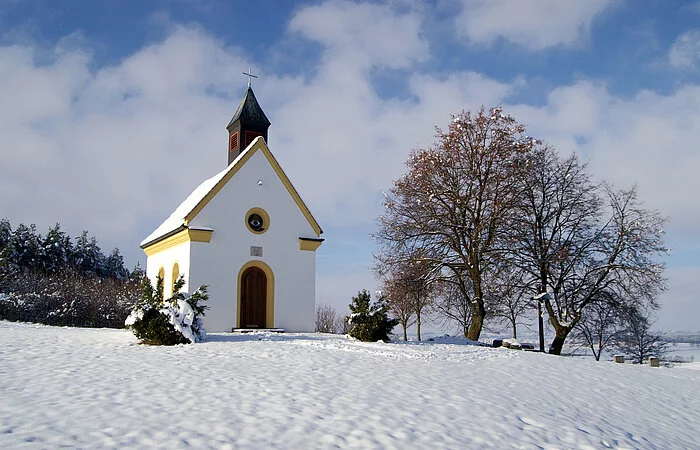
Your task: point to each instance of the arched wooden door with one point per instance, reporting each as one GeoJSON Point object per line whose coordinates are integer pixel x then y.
{"type": "Point", "coordinates": [253, 298]}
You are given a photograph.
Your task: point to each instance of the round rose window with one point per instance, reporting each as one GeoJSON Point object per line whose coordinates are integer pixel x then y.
{"type": "Point", "coordinates": [256, 223]}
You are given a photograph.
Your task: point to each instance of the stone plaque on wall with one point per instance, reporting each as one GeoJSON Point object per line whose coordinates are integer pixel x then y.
{"type": "Point", "coordinates": [256, 251]}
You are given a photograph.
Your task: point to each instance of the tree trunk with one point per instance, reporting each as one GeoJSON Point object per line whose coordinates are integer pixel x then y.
{"type": "Point", "coordinates": [405, 338]}
{"type": "Point", "coordinates": [478, 309]}
{"type": "Point", "coordinates": [477, 324]}
{"type": "Point", "coordinates": [561, 333]}
{"type": "Point", "coordinates": [418, 325]}
{"type": "Point", "coordinates": [515, 330]}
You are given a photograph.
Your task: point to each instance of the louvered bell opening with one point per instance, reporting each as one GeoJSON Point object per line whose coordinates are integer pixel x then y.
{"type": "Point", "coordinates": [250, 137]}
{"type": "Point", "coordinates": [233, 142]}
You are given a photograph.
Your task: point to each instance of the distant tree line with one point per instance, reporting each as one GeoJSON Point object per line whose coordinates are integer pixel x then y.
{"type": "Point", "coordinates": [55, 280]}
{"type": "Point", "coordinates": [690, 338]}
{"type": "Point", "coordinates": [487, 218]}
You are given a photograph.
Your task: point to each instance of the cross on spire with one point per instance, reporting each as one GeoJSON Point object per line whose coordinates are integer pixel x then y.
{"type": "Point", "coordinates": [250, 75]}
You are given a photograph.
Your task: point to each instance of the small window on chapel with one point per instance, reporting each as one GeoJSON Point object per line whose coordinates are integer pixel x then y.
{"type": "Point", "coordinates": [233, 141]}
{"type": "Point", "coordinates": [257, 220]}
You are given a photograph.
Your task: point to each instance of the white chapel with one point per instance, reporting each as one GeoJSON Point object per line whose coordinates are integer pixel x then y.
{"type": "Point", "coordinates": [247, 234]}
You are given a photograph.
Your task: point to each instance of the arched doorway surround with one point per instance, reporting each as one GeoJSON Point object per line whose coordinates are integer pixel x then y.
{"type": "Point", "coordinates": [256, 296]}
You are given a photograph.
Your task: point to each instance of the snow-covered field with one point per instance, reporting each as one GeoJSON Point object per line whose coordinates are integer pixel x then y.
{"type": "Point", "coordinates": [97, 388]}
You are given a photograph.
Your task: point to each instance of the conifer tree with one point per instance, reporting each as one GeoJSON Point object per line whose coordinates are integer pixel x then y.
{"type": "Point", "coordinates": [114, 266]}
{"type": "Point", "coordinates": [87, 257]}
{"type": "Point", "coordinates": [5, 245]}
{"type": "Point", "coordinates": [27, 251]}
{"type": "Point", "coordinates": [369, 322]}
{"type": "Point", "coordinates": [177, 320]}
{"type": "Point", "coordinates": [57, 249]}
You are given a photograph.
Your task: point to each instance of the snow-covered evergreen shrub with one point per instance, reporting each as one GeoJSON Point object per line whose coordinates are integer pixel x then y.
{"type": "Point", "coordinates": [177, 320]}
{"type": "Point", "coordinates": [369, 321]}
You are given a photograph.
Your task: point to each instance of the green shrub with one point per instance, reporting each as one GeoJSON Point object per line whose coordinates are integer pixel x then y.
{"type": "Point", "coordinates": [177, 320]}
{"type": "Point", "coordinates": [369, 322]}
{"type": "Point", "coordinates": [154, 328]}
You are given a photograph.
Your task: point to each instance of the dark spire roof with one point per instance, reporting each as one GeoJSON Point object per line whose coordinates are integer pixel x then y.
{"type": "Point", "coordinates": [250, 112]}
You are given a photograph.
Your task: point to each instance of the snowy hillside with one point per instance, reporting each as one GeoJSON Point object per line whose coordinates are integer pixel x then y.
{"type": "Point", "coordinates": [98, 388]}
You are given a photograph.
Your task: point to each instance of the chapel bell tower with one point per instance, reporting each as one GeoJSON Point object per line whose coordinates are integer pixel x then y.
{"type": "Point", "coordinates": [248, 123]}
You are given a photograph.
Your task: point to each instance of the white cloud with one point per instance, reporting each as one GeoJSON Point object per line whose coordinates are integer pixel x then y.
{"type": "Point", "coordinates": [571, 111]}
{"type": "Point", "coordinates": [342, 144]}
{"type": "Point", "coordinates": [364, 34]}
{"type": "Point", "coordinates": [685, 52]}
{"type": "Point", "coordinates": [113, 149]}
{"type": "Point", "coordinates": [348, 144]}
{"type": "Point", "coordinates": [533, 24]}
{"type": "Point", "coordinates": [648, 139]}
{"type": "Point", "coordinates": [52, 84]}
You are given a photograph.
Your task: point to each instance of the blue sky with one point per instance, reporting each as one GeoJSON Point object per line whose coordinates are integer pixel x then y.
{"type": "Point", "coordinates": [112, 112]}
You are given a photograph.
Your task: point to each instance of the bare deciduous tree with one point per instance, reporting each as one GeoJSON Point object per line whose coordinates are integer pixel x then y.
{"type": "Point", "coordinates": [584, 243]}
{"type": "Point", "coordinates": [454, 307]}
{"type": "Point", "coordinates": [637, 340]}
{"type": "Point", "coordinates": [454, 202]}
{"type": "Point", "coordinates": [328, 320]}
{"type": "Point", "coordinates": [409, 286]}
{"type": "Point", "coordinates": [399, 300]}
{"type": "Point", "coordinates": [510, 297]}
{"type": "Point", "coordinates": [599, 327]}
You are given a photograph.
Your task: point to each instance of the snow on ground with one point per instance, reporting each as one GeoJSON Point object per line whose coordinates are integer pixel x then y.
{"type": "Point", "coordinates": [694, 366]}
{"type": "Point", "coordinates": [97, 388]}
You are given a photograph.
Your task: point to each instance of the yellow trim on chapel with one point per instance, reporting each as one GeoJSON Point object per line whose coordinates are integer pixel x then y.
{"type": "Point", "coordinates": [175, 275]}
{"type": "Point", "coordinates": [269, 296]}
{"type": "Point", "coordinates": [258, 144]}
{"type": "Point", "coordinates": [308, 245]}
{"type": "Point", "coordinates": [182, 236]}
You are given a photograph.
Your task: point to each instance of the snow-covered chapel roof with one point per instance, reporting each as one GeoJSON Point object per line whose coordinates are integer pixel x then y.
{"type": "Point", "coordinates": [199, 198]}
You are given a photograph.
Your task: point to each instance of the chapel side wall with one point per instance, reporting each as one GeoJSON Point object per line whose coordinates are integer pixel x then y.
{"type": "Point", "coordinates": [218, 263]}
{"type": "Point", "coordinates": [296, 302]}
{"type": "Point", "coordinates": [210, 267]}
{"type": "Point", "coordinates": [167, 258]}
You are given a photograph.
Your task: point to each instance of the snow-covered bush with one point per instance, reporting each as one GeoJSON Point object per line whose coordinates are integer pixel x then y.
{"type": "Point", "coordinates": [51, 281]}
{"type": "Point", "coordinates": [177, 320]}
{"type": "Point", "coordinates": [66, 298]}
{"type": "Point", "coordinates": [369, 321]}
